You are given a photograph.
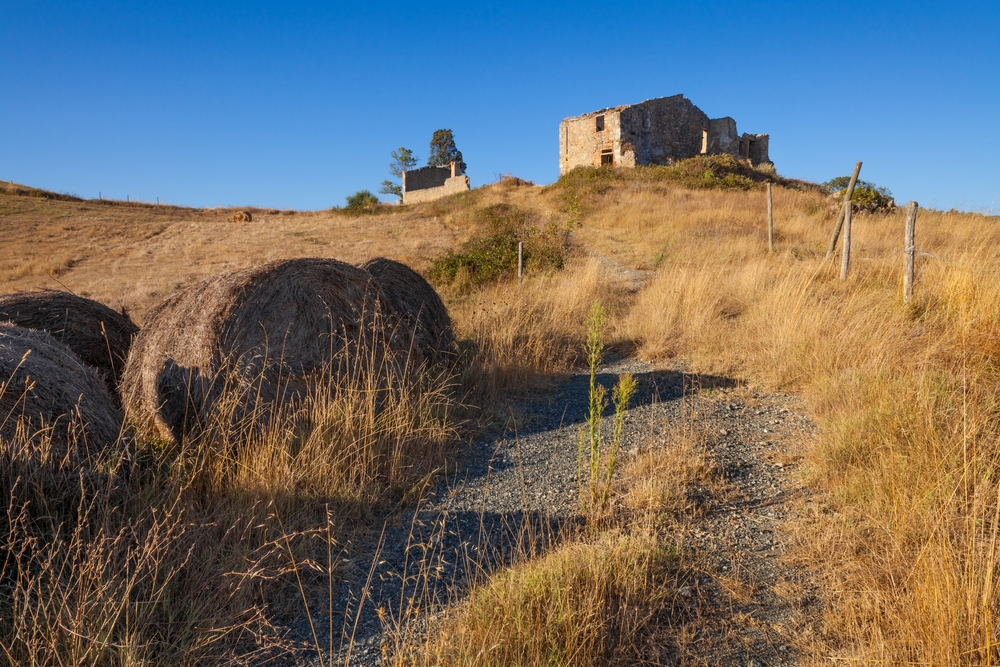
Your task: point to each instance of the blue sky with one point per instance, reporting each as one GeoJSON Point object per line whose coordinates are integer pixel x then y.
{"type": "Point", "coordinates": [299, 104]}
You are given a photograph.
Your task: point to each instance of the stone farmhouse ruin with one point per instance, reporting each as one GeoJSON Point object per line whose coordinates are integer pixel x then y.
{"type": "Point", "coordinates": [656, 131]}
{"type": "Point", "coordinates": [430, 183]}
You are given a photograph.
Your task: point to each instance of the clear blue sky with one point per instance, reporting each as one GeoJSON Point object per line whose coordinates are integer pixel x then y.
{"type": "Point", "coordinates": [299, 104]}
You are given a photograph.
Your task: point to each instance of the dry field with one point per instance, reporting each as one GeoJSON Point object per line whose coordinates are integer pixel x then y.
{"type": "Point", "coordinates": [906, 458]}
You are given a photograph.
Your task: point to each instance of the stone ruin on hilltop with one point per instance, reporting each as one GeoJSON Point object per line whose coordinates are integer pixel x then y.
{"type": "Point", "coordinates": [657, 131]}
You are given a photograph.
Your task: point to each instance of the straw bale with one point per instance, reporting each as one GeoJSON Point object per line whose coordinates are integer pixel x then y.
{"type": "Point", "coordinates": [254, 334]}
{"type": "Point", "coordinates": [50, 400]}
{"type": "Point", "coordinates": [98, 335]}
{"type": "Point", "coordinates": [423, 312]}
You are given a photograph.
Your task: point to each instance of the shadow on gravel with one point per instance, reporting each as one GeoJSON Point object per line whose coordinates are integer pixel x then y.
{"type": "Point", "coordinates": [566, 405]}
{"type": "Point", "coordinates": [498, 506]}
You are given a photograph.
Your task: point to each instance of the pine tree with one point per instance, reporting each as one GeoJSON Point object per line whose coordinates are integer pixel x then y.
{"type": "Point", "coordinates": [402, 160]}
{"type": "Point", "coordinates": [443, 150]}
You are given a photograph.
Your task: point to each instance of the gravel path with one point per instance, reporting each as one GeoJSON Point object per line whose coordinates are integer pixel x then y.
{"type": "Point", "coordinates": [520, 487]}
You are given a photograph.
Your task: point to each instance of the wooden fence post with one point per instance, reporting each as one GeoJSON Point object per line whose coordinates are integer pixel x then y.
{"type": "Point", "coordinates": [770, 220]}
{"type": "Point", "coordinates": [845, 251]}
{"type": "Point", "coordinates": [909, 250]}
{"type": "Point", "coordinates": [520, 262]}
{"type": "Point", "coordinates": [840, 216]}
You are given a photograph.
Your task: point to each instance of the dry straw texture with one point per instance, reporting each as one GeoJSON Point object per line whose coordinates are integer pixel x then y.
{"type": "Point", "coordinates": [415, 300]}
{"type": "Point", "coordinates": [50, 402]}
{"type": "Point", "coordinates": [256, 332]}
{"type": "Point", "coordinates": [98, 335]}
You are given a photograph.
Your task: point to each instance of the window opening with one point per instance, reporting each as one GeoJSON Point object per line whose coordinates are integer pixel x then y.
{"type": "Point", "coordinates": [600, 123]}
{"type": "Point", "coordinates": [704, 141]}
{"type": "Point", "coordinates": [607, 157]}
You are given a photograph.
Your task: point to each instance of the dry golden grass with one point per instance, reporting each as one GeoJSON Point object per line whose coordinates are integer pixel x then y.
{"type": "Point", "coordinates": [589, 602]}
{"type": "Point", "coordinates": [143, 554]}
{"type": "Point", "coordinates": [906, 396]}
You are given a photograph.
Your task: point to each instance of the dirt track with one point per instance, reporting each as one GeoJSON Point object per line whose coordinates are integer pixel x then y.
{"type": "Point", "coordinates": [752, 607]}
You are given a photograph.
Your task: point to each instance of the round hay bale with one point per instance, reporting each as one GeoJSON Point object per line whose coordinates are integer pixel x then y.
{"type": "Point", "coordinates": [242, 216]}
{"type": "Point", "coordinates": [423, 312]}
{"type": "Point", "coordinates": [50, 401]}
{"type": "Point", "coordinates": [254, 335]}
{"type": "Point", "coordinates": [99, 336]}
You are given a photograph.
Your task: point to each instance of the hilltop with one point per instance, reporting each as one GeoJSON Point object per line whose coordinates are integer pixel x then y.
{"type": "Point", "coordinates": [878, 487]}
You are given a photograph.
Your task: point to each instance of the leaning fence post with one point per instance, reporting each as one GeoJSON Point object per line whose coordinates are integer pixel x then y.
{"type": "Point", "coordinates": [909, 250]}
{"type": "Point", "coordinates": [520, 262]}
{"type": "Point", "coordinates": [770, 220]}
{"type": "Point", "coordinates": [845, 251]}
{"type": "Point", "coordinates": [840, 216]}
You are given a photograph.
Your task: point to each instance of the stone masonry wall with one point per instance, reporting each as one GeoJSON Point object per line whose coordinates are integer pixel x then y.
{"type": "Point", "coordinates": [581, 143]}
{"type": "Point", "coordinates": [662, 130]}
{"type": "Point", "coordinates": [450, 186]}
{"type": "Point", "coordinates": [426, 177]}
{"type": "Point", "coordinates": [430, 183]}
{"type": "Point", "coordinates": [723, 137]}
{"type": "Point", "coordinates": [657, 131]}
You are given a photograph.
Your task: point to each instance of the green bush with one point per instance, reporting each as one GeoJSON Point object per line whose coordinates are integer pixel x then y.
{"type": "Point", "coordinates": [362, 201]}
{"type": "Point", "coordinates": [492, 254]}
{"type": "Point", "coordinates": [867, 196]}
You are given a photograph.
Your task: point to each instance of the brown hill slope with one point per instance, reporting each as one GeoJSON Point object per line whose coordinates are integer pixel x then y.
{"type": "Point", "coordinates": [905, 395]}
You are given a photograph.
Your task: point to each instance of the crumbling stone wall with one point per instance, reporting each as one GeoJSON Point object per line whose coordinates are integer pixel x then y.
{"type": "Point", "coordinates": [585, 139]}
{"type": "Point", "coordinates": [657, 131]}
{"type": "Point", "coordinates": [430, 183]}
{"type": "Point", "coordinates": [662, 130]}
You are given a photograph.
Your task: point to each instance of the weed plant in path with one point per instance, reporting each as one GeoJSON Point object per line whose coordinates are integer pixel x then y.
{"type": "Point", "coordinates": [599, 459]}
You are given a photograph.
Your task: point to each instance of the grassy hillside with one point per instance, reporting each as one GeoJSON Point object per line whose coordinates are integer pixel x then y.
{"type": "Point", "coordinates": [906, 395]}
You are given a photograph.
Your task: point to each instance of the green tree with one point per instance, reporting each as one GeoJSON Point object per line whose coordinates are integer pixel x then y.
{"type": "Point", "coordinates": [362, 200]}
{"type": "Point", "coordinates": [402, 160]}
{"type": "Point", "coordinates": [443, 150]}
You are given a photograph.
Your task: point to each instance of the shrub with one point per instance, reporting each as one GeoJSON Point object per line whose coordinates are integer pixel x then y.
{"type": "Point", "coordinates": [362, 201]}
{"type": "Point", "coordinates": [493, 253]}
{"type": "Point", "coordinates": [867, 196]}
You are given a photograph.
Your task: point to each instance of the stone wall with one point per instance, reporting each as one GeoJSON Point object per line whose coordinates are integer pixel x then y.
{"type": "Point", "coordinates": [757, 148]}
{"type": "Point", "coordinates": [657, 131]}
{"type": "Point", "coordinates": [662, 130]}
{"type": "Point", "coordinates": [426, 177]}
{"type": "Point", "coordinates": [723, 137]}
{"type": "Point", "coordinates": [430, 183]}
{"type": "Point", "coordinates": [581, 143]}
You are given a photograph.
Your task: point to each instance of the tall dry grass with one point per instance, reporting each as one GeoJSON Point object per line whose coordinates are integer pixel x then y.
{"type": "Point", "coordinates": [182, 555]}
{"type": "Point", "coordinates": [906, 394]}
{"type": "Point", "coordinates": [587, 603]}
{"type": "Point", "coordinates": [518, 339]}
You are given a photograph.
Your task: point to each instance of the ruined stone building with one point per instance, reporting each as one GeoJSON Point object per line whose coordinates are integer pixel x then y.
{"type": "Point", "coordinates": [430, 183]}
{"type": "Point", "coordinates": [656, 131]}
